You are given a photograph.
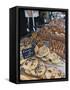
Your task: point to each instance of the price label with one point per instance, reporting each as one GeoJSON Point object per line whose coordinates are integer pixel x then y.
{"type": "Point", "coordinates": [28, 52]}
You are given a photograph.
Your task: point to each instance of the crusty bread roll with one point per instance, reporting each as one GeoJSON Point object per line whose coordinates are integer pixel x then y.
{"type": "Point", "coordinates": [42, 51]}
{"type": "Point", "coordinates": [30, 64]}
{"type": "Point", "coordinates": [40, 70]}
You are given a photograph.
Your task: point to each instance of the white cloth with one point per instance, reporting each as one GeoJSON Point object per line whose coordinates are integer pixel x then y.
{"type": "Point", "coordinates": [31, 13]}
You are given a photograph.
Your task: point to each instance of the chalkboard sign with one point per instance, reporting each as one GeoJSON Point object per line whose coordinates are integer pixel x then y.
{"type": "Point", "coordinates": [28, 52]}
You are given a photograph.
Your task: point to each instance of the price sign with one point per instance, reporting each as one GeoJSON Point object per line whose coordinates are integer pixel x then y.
{"type": "Point", "coordinates": [28, 52]}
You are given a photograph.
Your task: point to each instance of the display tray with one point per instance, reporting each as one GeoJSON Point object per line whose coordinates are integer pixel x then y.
{"type": "Point", "coordinates": [38, 44]}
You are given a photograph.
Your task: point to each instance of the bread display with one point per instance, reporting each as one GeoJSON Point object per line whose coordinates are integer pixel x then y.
{"type": "Point", "coordinates": [39, 70]}
{"type": "Point", "coordinates": [48, 46]}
